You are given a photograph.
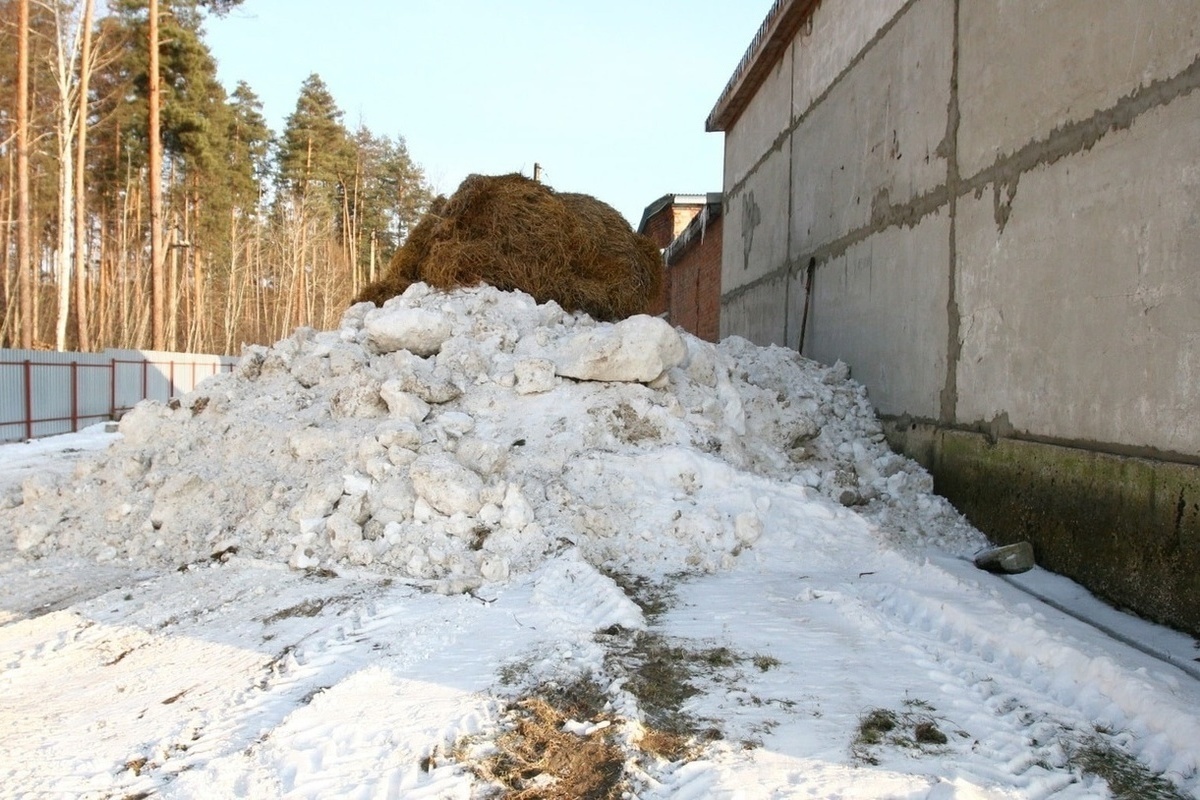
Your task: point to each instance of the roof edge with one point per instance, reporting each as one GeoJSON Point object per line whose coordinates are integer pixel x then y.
{"type": "Point", "coordinates": [670, 200]}
{"type": "Point", "coordinates": [778, 29]}
{"type": "Point", "coordinates": [711, 212]}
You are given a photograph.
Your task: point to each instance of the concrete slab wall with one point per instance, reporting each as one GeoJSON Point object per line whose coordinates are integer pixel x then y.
{"type": "Point", "coordinates": [840, 32]}
{"type": "Point", "coordinates": [872, 143]}
{"type": "Point", "coordinates": [881, 307]}
{"type": "Point", "coordinates": [1080, 299]}
{"type": "Point", "coordinates": [755, 241]}
{"type": "Point", "coordinates": [1065, 177]}
{"type": "Point", "coordinates": [759, 314]}
{"type": "Point", "coordinates": [766, 117]}
{"type": "Point", "coordinates": [1027, 68]}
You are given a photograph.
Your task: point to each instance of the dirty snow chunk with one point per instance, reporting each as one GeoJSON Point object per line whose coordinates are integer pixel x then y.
{"type": "Point", "coordinates": [402, 404]}
{"type": "Point", "coordinates": [446, 485]}
{"type": "Point", "coordinates": [636, 349]}
{"type": "Point", "coordinates": [313, 444]}
{"type": "Point", "coordinates": [747, 527]}
{"type": "Point", "coordinates": [516, 511]}
{"type": "Point", "coordinates": [342, 530]}
{"type": "Point", "coordinates": [417, 330]}
{"type": "Point", "coordinates": [402, 433]}
{"type": "Point", "coordinates": [415, 375]}
{"type": "Point", "coordinates": [31, 536]}
{"type": "Point", "coordinates": [534, 375]}
{"type": "Point", "coordinates": [482, 456]}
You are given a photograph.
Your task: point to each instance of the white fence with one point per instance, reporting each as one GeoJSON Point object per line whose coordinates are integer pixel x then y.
{"type": "Point", "coordinates": [46, 393]}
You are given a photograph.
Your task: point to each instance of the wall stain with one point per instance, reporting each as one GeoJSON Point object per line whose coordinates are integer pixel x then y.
{"type": "Point", "coordinates": [1003, 194]}
{"type": "Point", "coordinates": [751, 219]}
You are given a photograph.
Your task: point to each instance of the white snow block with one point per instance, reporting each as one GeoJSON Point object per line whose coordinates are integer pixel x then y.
{"type": "Point", "coordinates": [1009, 559]}
{"type": "Point", "coordinates": [401, 404]}
{"type": "Point", "coordinates": [446, 485]}
{"type": "Point", "coordinates": [417, 330]}
{"type": "Point", "coordinates": [636, 349]}
{"type": "Point", "coordinates": [534, 375]}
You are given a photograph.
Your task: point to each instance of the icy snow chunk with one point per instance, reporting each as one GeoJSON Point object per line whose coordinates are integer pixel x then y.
{"type": "Point", "coordinates": [747, 527]}
{"type": "Point", "coordinates": [454, 424]}
{"type": "Point", "coordinates": [639, 348]}
{"type": "Point", "coordinates": [403, 404]}
{"type": "Point", "coordinates": [346, 359]}
{"type": "Point", "coordinates": [313, 444]}
{"type": "Point", "coordinates": [516, 512]}
{"type": "Point", "coordinates": [250, 365]}
{"type": "Point", "coordinates": [342, 530]}
{"type": "Point", "coordinates": [358, 399]}
{"type": "Point", "coordinates": [482, 456]}
{"type": "Point", "coordinates": [352, 317]}
{"type": "Point", "coordinates": [534, 375]}
{"type": "Point", "coordinates": [402, 433]}
{"type": "Point", "coordinates": [417, 330]}
{"type": "Point", "coordinates": [494, 568]}
{"type": "Point", "coordinates": [31, 536]}
{"type": "Point", "coordinates": [415, 375]}
{"type": "Point", "coordinates": [446, 485]}
{"type": "Point", "coordinates": [310, 369]}
{"type": "Point", "coordinates": [392, 500]}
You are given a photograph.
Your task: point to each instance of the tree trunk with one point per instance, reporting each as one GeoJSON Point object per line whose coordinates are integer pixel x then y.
{"type": "Point", "coordinates": [24, 239]}
{"type": "Point", "coordinates": [157, 288]}
{"type": "Point", "coordinates": [83, 341]}
{"type": "Point", "coordinates": [10, 278]}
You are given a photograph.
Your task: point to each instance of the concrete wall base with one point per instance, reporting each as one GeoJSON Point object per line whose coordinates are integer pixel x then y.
{"type": "Point", "coordinates": [1126, 528]}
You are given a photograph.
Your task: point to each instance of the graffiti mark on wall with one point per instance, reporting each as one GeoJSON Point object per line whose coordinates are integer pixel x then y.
{"type": "Point", "coordinates": [751, 219]}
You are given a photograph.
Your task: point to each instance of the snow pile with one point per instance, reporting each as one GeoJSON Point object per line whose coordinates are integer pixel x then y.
{"type": "Point", "coordinates": [458, 438]}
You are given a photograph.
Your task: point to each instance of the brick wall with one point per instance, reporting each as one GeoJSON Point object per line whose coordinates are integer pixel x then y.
{"type": "Point", "coordinates": [695, 285]}
{"type": "Point", "coordinates": [662, 227]}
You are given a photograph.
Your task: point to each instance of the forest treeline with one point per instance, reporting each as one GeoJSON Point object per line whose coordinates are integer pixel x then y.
{"type": "Point", "coordinates": [257, 232]}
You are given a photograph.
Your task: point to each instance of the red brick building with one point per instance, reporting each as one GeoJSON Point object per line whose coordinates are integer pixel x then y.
{"type": "Point", "coordinates": [688, 229]}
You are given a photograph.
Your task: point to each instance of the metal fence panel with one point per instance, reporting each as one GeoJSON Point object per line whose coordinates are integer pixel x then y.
{"type": "Point", "coordinates": [45, 393]}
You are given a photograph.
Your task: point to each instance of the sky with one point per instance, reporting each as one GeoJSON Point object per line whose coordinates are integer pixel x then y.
{"type": "Point", "coordinates": [609, 98]}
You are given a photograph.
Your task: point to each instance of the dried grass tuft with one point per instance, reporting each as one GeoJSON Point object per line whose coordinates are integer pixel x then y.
{"type": "Point", "coordinates": [538, 760]}
{"type": "Point", "coordinates": [517, 234]}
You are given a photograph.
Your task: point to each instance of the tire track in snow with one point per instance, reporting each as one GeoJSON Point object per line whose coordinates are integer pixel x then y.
{"type": "Point", "coordinates": [375, 707]}
{"type": "Point", "coordinates": [399, 628]}
{"type": "Point", "coordinates": [188, 676]}
{"type": "Point", "coordinates": [1043, 691]}
{"type": "Point", "coordinates": [1014, 684]}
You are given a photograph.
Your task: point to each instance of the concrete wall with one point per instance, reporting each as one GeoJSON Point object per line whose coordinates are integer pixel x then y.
{"type": "Point", "coordinates": [999, 207]}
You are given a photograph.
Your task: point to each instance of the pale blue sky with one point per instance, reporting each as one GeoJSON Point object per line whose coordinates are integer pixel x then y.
{"type": "Point", "coordinates": [610, 96]}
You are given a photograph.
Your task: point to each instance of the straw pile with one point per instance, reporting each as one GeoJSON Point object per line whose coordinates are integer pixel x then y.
{"type": "Point", "coordinates": [514, 233]}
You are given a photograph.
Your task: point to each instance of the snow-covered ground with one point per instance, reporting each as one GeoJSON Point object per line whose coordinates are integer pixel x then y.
{"type": "Point", "coordinates": [333, 572]}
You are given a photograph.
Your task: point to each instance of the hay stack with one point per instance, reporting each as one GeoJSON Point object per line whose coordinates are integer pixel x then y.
{"type": "Point", "coordinates": [514, 233]}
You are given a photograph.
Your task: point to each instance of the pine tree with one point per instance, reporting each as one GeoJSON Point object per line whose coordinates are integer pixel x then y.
{"type": "Point", "coordinates": [315, 156]}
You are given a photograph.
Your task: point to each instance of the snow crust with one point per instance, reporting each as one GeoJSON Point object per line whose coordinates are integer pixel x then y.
{"type": "Point", "coordinates": [461, 438]}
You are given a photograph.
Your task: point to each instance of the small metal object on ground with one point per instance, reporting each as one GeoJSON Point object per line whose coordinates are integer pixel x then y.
{"type": "Point", "coordinates": [1008, 559]}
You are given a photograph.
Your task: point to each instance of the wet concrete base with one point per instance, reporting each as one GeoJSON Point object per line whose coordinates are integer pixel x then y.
{"type": "Point", "coordinates": [1126, 528]}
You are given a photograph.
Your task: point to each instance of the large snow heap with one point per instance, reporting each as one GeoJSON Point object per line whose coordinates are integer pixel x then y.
{"type": "Point", "coordinates": [457, 438]}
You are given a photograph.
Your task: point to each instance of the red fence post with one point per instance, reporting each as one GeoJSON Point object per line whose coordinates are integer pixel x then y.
{"type": "Point", "coordinates": [74, 396]}
{"type": "Point", "coordinates": [171, 388]}
{"type": "Point", "coordinates": [28, 400]}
